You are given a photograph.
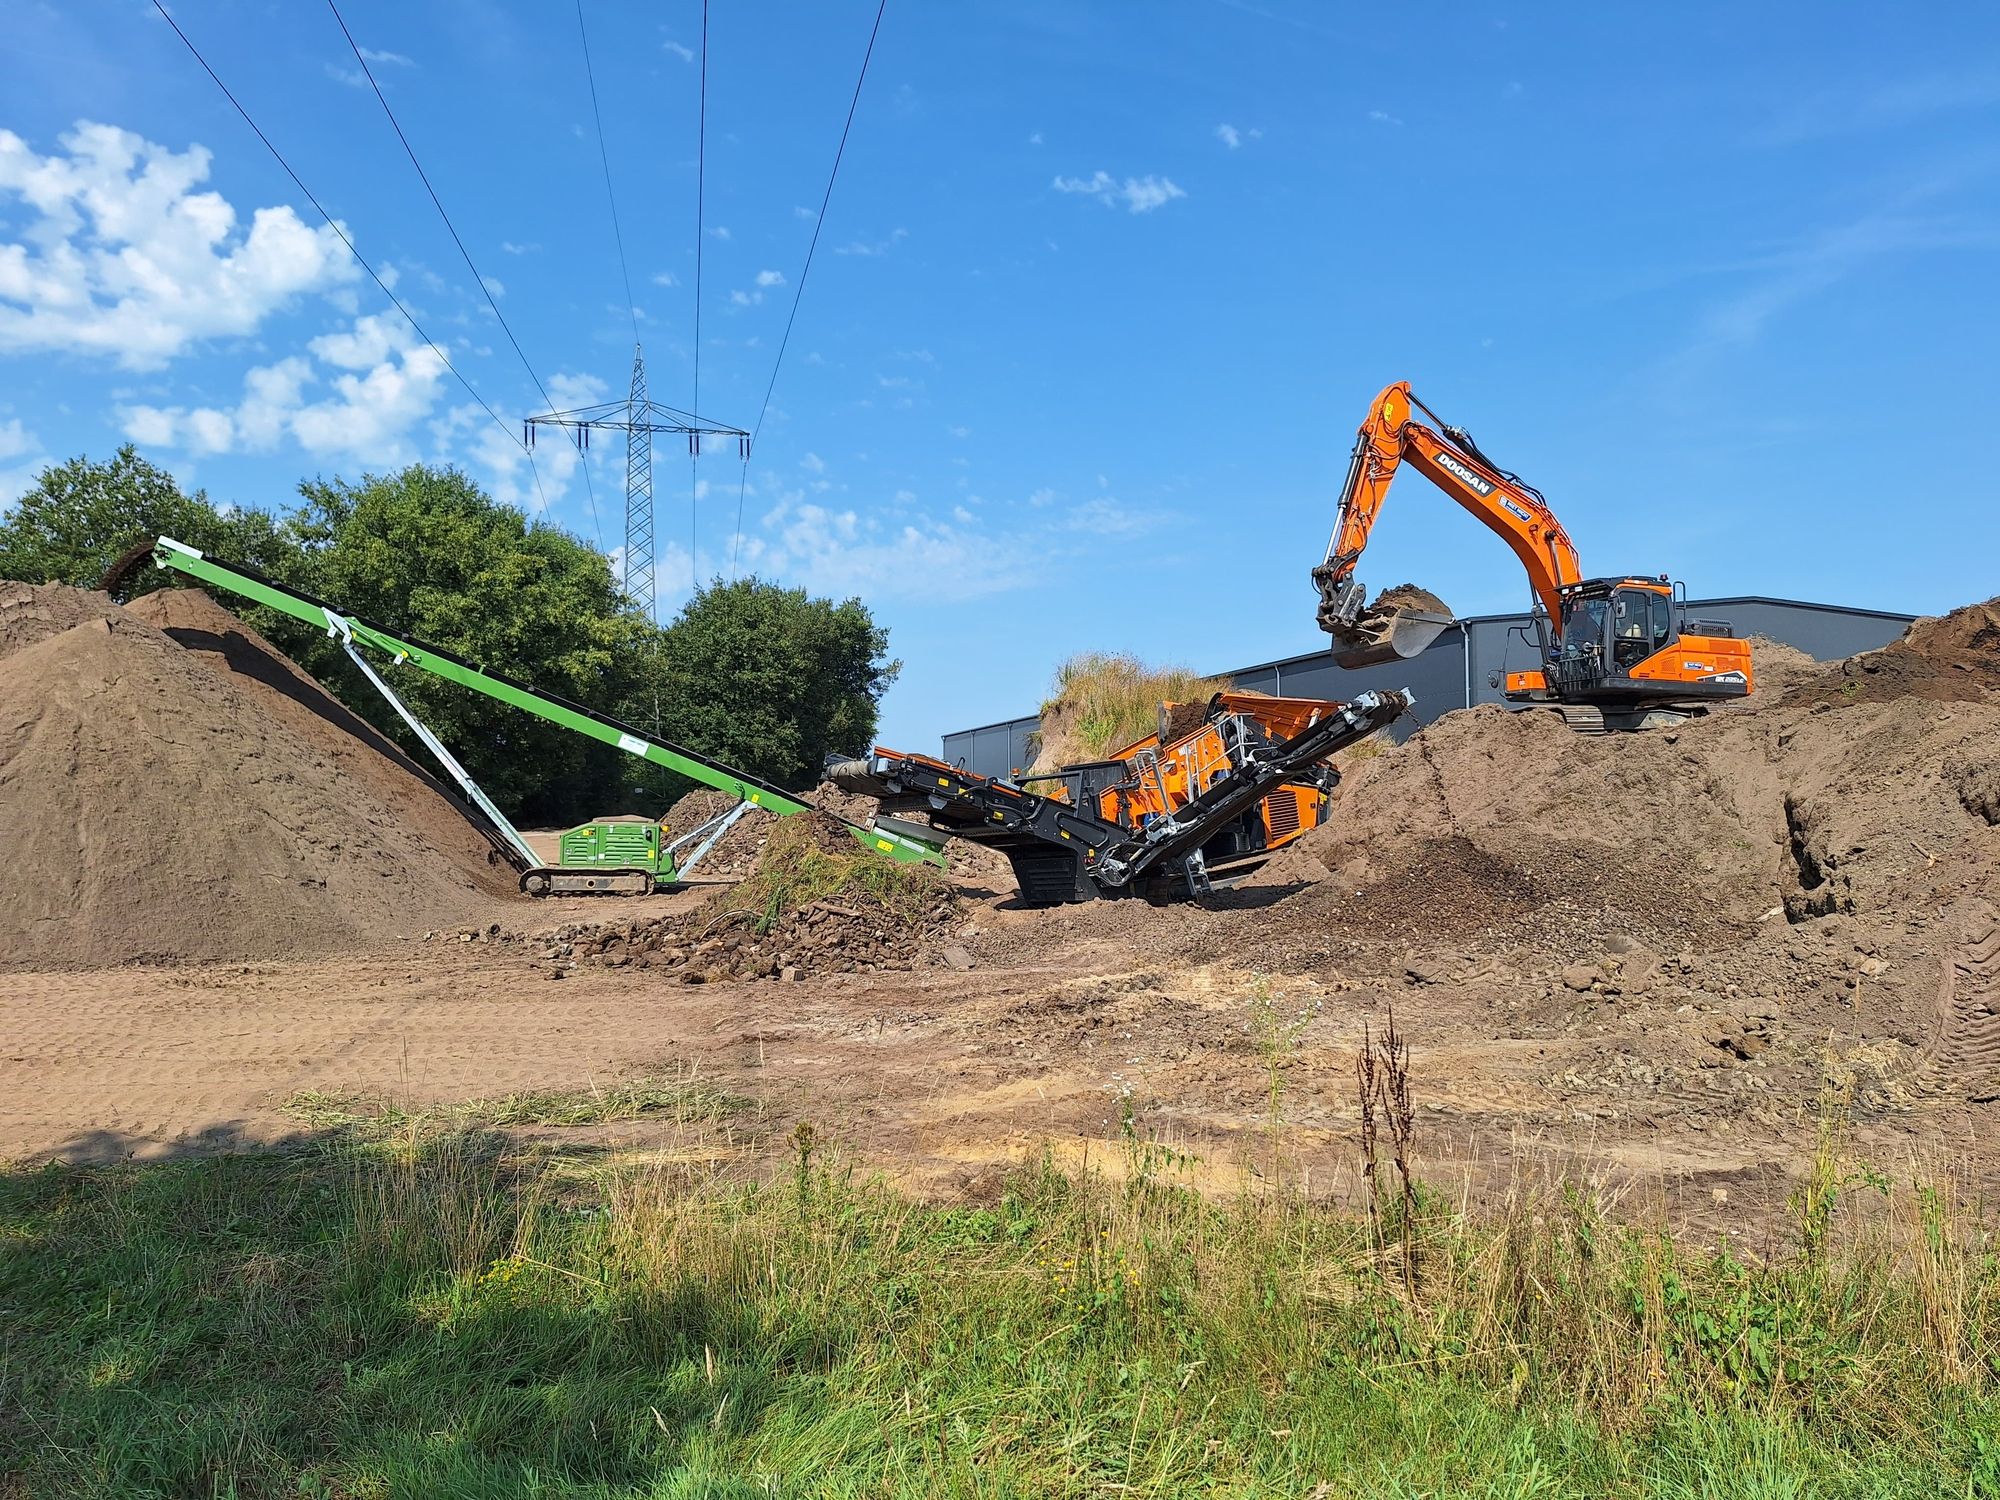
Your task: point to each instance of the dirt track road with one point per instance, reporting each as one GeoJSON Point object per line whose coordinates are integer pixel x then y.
{"type": "Point", "coordinates": [941, 1078]}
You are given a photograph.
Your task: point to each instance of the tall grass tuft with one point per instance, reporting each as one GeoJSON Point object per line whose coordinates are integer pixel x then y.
{"type": "Point", "coordinates": [1104, 701]}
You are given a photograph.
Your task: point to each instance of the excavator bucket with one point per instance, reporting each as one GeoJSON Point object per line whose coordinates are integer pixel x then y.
{"type": "Point", "coordinates": [1398, 625]}
{"type": "Point", "coordinates": [1390, 636]}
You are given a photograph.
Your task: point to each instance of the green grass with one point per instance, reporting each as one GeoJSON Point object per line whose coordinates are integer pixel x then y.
{"type": "Point", "coordinates": [1103, 702]}
{"type": "Point", "coordinates": [447, 1315]}
{"type": "Point", "coordinates": [678, 1096]}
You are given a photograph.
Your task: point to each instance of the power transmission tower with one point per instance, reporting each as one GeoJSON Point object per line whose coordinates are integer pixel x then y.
{"type": "Point", "coordinates": [638, 418]}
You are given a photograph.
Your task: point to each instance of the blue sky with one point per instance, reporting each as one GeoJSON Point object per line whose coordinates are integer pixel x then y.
{"type": "Point", "coordinates": [1101, 296]}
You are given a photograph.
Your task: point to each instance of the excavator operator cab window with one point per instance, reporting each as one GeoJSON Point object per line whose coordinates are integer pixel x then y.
{"type": "Point", "coordinates": [1641, 623]}
{"type": "Point", "coordinates": [1584, 620]}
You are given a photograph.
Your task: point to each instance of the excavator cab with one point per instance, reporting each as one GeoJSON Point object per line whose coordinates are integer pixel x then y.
{"type": "Point", "coordinates": [1626, 657]}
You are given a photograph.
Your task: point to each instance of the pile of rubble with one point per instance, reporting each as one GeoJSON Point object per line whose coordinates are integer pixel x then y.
{"type": "Point", "coordinates": [851, 935]}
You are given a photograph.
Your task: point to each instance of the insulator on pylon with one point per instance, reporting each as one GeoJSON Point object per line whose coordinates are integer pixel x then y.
{"type": "Point", "coordinates": [527, 434]}
{"type": "Point", "coordinates": [743, 449]}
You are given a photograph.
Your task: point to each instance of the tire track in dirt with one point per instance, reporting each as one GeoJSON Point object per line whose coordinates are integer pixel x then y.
{"type": "Point", "coordinates": [1971, 1052]}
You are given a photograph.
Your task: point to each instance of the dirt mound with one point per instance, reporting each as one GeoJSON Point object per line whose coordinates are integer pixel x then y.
{"type": "Point", "coordinates": [1409, 596]}
{"type": "Point", "coordinates": [815, 902]}
{"type": "Point", "coordinates": [1777, 667]}
{"type": "Point", "coordinates": [1952, 658]}
{"type": "Point", "coordinates": [735, 853]}
{"type": "Point", "coordinates": [158, 805]}
{"type": "Point", "coordinates": [31, 612]}
{"type": "Point", "coordinates": [363, 755]}
{"type": "Point", "coordinates": [854, 936]}
{"type": "Point", "coordinates": [1803, 799]}
{"type": "Point", "coordinates": [1487, 813]}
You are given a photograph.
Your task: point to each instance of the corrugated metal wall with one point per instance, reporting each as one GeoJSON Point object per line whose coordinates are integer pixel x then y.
{"type": "Point", "coordinates": [1453, 672]}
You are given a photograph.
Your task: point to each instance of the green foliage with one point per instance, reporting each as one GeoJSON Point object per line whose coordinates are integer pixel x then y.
{"type": "Point", "coordinates": [771, 679]}
{"type": "Point", "coordinates": [80, 516]}
{"type": "Point", "coordinates": [450, 1315]}
{"type": "Point", "coordinates": [426, 551]}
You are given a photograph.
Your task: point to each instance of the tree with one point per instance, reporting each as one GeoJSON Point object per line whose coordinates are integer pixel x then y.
{"type": "Point", "coordinates": [428, 553]}
{"type": "Point", "coordinates": [80, 516]}
{"type": "Point", "coordinates": [769, 679]}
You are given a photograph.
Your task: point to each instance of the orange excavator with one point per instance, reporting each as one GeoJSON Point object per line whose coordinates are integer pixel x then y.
{"type": "Point", "coordinates": [1617, 653]}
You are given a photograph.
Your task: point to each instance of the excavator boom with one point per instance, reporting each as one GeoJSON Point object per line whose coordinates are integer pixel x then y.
{"type": "Point", "coordinates": [1404, 621]}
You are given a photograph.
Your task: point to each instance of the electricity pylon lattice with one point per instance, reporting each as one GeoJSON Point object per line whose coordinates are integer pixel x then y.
{"type": "Point", "coordinates": [638, 417]}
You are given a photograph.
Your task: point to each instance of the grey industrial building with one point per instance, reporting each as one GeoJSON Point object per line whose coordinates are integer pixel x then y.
{"type": "Point", "coordinates": [1455, 671]}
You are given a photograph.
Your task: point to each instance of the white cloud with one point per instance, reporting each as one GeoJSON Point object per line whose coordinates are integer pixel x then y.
{"type": "Point", "coordinates": [1138, 195]}
{"type": "Point", "coordinates": [495, 285]}
{"type": "Point", "coordinates": [678, 49]}
{"type": "Point", "coordinates": [1035, 139]}
{"type": "Point", "coordinates": [799, 211]}
{"type": "Point", "coordinates": [746, 299]}
{"type": "Point", "coordinates": [665, 278]}
{"type": "Point", "coordinates": [812, 463]}
{"type": "Point", "coordinates": [513, 249]}
{"type": "Point", "coordinates": [838, 552]}
{"type": "Point", "coordinates": [1229, 135]}
{"type": "Point", "coordinates": [16, 439]}
{"type": "Point", "coordinates": [873, 247]}
{"type": "Point", "coordinates": [123, 258]}
{"type": "Point", "coordinates": [393, 59]}
{"type": "Point", "coordinates": [21, 461]}
{"type": "Point", "coordinates": [380, 383]}
{"type": "Point", "coordinates": [770, 278]}
{"type": "Point", "coordinates": [1108, 517]}
{"type": "Point", "coordinates": [1383, 117]}
{"type": "Point", "coordinates": [721, 231]}
{"type": "Point", "coordinates": [959, 432]}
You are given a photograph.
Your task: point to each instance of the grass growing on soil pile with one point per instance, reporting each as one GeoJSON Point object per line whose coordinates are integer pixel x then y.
{"type": "Point", "coordinates": [807, 858]}
{"type": "Point", "coordinates": [1103, 702]}
{"type": "Point", "coordinates": [451, 1317]}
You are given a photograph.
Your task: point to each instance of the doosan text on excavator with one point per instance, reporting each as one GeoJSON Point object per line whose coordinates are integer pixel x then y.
{"type": "Point", "coordinates": [1617, 652]}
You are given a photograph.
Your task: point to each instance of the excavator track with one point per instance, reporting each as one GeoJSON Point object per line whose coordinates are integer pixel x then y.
{"type": "Point", "coordinates": [1589, 718]}
{"type": "Point", "coordinates": [549, 880]}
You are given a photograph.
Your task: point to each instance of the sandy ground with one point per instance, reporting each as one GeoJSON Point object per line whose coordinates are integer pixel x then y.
{"type": "Point", "coordinates": [945, 1079]}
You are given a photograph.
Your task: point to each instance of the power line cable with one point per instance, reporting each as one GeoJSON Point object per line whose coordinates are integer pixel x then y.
{"type": "Point", "coordinates": [605, 157]}
{"type": "Point", "coordinates": [360, 259]}
{"type": "Point", "coordinates": [700, 191]}
{"type": "Point", "coordinates": [410, 151]}
{"type": "Point", "coordinates": [800, 291]}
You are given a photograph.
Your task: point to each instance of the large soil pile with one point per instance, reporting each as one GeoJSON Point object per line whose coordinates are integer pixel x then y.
{"type": "Point", "coordinates": [1822, 859]}
{"type": "Point", "coordinates": [195, 798]}
{"type": "Point", "coordinates": [1856, 791]}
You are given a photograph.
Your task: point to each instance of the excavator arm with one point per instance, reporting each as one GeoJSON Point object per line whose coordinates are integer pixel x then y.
{"type": "Point", "coordinates": [1449, 458]}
